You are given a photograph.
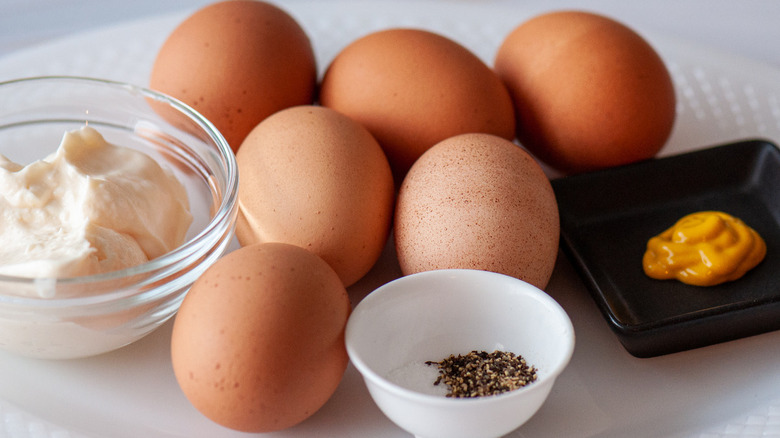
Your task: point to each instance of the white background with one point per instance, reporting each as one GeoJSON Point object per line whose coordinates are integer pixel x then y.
{"type": "Point", "coordinates": [749, 28]}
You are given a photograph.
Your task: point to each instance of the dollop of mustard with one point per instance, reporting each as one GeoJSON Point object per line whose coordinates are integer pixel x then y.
{"type": "Point", "coordinates": [704, 249]}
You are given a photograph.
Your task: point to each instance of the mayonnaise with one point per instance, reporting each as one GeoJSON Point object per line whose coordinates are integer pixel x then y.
{"type": "Point", "coordinates": [88, 208]}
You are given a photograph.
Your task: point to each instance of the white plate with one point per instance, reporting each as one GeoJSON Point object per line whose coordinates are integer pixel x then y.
{"type": "Point", "coordinates": [726, 390]}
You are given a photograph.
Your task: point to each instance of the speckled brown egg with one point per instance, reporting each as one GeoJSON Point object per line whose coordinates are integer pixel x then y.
{"type": "Point", "coordinates": [589, 92]}
{"type": "Point", "coordinates": [315, 178]}
{"type": "Point", "coordinates": [237, 62]}
{"type": "Point", "coordinates": [413, 88]}
{"type": "Point", "coordinates": [478, 201]}
{"type": "Point", "coordinates": [258, 344]}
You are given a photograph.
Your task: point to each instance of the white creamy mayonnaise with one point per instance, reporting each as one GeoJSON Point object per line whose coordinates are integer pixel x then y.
{"type": "Point", "coordinates": [90, 207]}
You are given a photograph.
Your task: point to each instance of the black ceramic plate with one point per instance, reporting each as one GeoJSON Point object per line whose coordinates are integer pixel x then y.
{"type": "Point", "coordinates": [608, 216]}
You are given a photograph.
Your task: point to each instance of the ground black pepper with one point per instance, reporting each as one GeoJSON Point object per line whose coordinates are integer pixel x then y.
{"type": "Point", "coordinates": [480, 373]}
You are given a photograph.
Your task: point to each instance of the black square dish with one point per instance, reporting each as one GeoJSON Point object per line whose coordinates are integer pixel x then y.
{"type": "Point", "coordinates": [608, 216]}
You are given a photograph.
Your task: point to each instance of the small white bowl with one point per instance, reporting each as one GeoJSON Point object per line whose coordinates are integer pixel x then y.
{"type": "Point", "coordinates": [431, 315]}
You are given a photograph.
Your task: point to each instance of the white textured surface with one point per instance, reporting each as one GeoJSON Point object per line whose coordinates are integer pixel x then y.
{"type": "Point", "coordinates": [729, 390]}
{"type": "Point", "coordinates": [19, 424]}
{"type": "Point", "coordinates": [763, 422]}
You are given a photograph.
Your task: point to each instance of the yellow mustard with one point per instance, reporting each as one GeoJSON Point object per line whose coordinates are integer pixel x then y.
{"type": "Point", "coordinates": [704, 249]}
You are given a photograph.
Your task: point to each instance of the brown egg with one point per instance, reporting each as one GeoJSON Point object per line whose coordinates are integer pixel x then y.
{"type": "Point", "coordinates": [258, 344]}
{"type": "Point", "coordinates": [477, 201]}
{"type": "Point", "coordinates": [413, 88]}
{"type": "Point", "coordinates": [589, 92]}
{"type": "Point", "coordinates": [237, 62]}
{"type": "Point", "coordinates": [317, 179]}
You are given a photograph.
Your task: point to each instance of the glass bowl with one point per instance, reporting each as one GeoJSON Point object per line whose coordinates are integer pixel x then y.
{"type": "Point", "coordinates": [431, 315]}
{"type": "Point", "coordinates": [94, 314]}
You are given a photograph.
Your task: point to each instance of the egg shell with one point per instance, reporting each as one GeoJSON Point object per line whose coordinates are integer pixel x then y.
{"type": "Point", "coordinates": [258, 344]}
{"type": "Point", "coordinates": [589, 92]}
{"type": "Point", "coordinates": [237, 62]}
{"type": "Point", "coordinates": [317, 179]}
{"type": "Point", "coordinates": [478, 201]}
{"type": "Point", "coordinates": [413, 88]}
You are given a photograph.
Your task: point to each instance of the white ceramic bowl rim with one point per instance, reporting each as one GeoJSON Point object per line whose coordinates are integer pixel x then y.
{"type": "Point", "coordinates": [187, 249]}
{"type": "Point", "coordinates": [438, 400]}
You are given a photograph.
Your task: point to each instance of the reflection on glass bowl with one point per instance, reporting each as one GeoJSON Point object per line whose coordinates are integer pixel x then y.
{"type": "Point", "coordinates": [99, 313]}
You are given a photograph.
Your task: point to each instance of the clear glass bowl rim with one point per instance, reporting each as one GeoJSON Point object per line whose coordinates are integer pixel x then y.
{"type": "Point", "coordinates": [224, 214]}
